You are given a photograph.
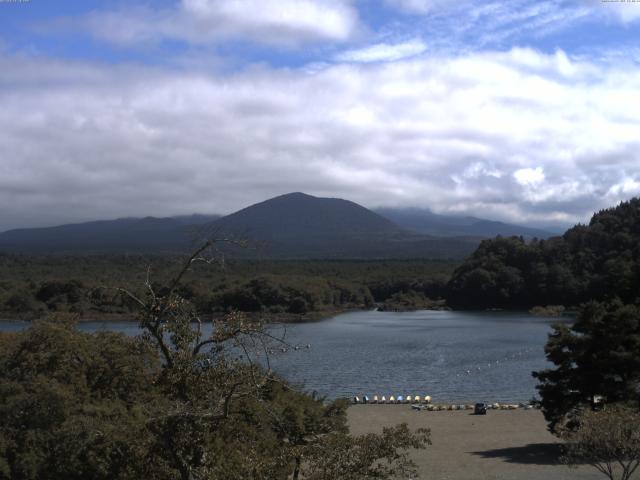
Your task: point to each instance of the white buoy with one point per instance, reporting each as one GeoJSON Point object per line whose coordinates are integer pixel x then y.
{"type": "Point", "coordinates": [375, 399]}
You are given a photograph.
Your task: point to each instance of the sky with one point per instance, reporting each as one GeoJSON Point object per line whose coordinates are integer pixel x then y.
{"type": "Point", "coordinates": [526, 111]}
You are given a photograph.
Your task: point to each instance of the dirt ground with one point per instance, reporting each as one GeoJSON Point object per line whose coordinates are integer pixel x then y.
{"type": "Point", "coordinates": [502, 445]}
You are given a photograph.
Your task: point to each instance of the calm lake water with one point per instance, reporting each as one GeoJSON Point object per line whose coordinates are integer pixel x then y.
{"type": "Point", "coordinates": [452, 356]}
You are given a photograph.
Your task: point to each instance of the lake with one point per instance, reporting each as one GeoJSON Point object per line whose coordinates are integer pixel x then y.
{"type": "Point", "coordinates": [452, 356]}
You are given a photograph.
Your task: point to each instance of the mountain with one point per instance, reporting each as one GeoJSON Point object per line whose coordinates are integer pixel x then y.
{"type": "Point", "coordinates": [303, 217]}
{"type": "Point", "coordinates": [425, 221]}
{"type": "Point", "coordinates": [195, 219]}
{"type": "Point", "coordinates": [295, 225]}
{"type": "Point", "coordinates": [121, 235]}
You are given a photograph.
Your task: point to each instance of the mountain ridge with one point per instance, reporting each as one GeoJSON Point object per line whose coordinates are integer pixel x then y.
{"type": "Point", "coordinates": [428, 222]}
{"type": "Point", "coordinates": [293, 225]}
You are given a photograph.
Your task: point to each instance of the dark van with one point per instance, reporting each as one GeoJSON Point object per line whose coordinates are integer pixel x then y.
{"type": "Point", "coordinates": [480, 409]}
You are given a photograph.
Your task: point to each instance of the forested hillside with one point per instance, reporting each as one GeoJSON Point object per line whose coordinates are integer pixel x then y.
{"type": "Point", "coordinates": [32, 286]}
{"type": "Point", "coordinates": [291, 226]}
{"type": "Point", "coordinates": [600, 260]}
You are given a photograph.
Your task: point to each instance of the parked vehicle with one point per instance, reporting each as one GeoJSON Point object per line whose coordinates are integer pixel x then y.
{"type": "Point", "coordinates": [480, 408]}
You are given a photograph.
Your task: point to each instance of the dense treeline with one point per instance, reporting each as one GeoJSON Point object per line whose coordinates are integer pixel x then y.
{"type": "Point", "coordinates": [32, 286]}
{"type": "Point", "coordinates": [596, 261]}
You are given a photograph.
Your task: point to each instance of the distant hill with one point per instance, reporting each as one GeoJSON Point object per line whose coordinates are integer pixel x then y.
{"type": "Point", "coordinates": [425, 221]}
{"type": "Point", "coordinates": [599, 261]}
{"type": "Point", "coordinates": [295, 225]}
{"type": "Point", "coordinates": [147, 234]}
{"type": "Point", "coordinates": [299, 216]}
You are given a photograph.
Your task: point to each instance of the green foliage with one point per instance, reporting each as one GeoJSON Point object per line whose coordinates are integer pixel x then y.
{"type": "Point", "coordinates": [173, 402]}
{"type": "Point", "coordinates": [547, 311]}
{"type": "Point", "coordinates": [598, 356]}
{"type": "Point", "coordinates": [599, 261]}
{"type": "Point", "coordinates": [72, 404]}
{"type": "Point", "coordinates": [609, 440]}
{"type": "Point", "coordinates": [35, 285]}
{"type": "Point", "coordinates": [410, 300]}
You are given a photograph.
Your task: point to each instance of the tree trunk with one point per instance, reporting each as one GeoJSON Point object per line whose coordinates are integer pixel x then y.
{"type": "Point", "coordinates": [296, 470]}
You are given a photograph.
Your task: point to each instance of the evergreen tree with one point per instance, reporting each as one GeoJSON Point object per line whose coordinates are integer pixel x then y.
{"type": "Point", "coordinates": [599, 356]}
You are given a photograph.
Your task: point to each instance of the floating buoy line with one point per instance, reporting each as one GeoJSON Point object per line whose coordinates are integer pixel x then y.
{"type": "Point", "coordinates": [498, 362]}
{"type": "Point", "coordinates": [286, 349]}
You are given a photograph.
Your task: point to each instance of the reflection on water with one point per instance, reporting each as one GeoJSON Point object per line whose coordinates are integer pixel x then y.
{"type": "Point", "coordinates": [452, 356]}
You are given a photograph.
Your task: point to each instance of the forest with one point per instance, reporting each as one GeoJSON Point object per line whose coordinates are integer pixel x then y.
{"type": "Point", "coordinates": [294, 290]}
{"type": "Point", "coordinates": [598, 261]}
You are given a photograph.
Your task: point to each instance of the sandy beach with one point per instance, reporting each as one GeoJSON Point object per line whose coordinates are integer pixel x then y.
{"type": "Point", "coordinates": [502, 445]}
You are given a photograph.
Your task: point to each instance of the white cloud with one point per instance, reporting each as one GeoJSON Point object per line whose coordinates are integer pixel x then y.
{"type": "Point", "coordinates": [384, 52]}
{"type": "Point", "coordinates": [420, 6]}
{"type": "Point", "coordinates": [465, 26]}
{"type": "Point", "coordinates": [623, 11]}
{"type": "Point", "coordinates": [288, 23]}
{"type": "Point", "coordinates": [529, 176]}
{"type": "Point", "coordinates": [626, 187]}
{"type": "Point", "coordinates": [81, 141]}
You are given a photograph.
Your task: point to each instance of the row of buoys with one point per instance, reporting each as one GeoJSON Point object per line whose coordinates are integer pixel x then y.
{"type": "Point", "coordinates": [392, 399]}
{"type": "Point", "coordinates": [285, 349]}
{"type": "Point", "coordinates": [472, 370]}
{"type": "Point", "coordinates": [300, 347]}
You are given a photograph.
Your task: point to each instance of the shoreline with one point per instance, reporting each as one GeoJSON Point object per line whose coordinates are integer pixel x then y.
{"type": "Point", "coordinates": [269, 318]}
